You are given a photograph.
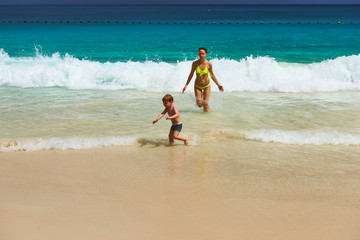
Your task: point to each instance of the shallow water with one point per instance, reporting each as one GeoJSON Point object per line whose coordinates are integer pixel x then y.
{"type": "Point", "coordinates": [63, 118]}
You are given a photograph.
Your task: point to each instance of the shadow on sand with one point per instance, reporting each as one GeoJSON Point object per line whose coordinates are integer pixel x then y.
{"type": "Point", "coordinates": [154, 142]}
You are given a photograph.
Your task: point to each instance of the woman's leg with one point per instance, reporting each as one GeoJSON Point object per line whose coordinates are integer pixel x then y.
{"type": "Point", "coordinates": [206, 95]}
{"type": "Point", "coordinates": [198, 95]}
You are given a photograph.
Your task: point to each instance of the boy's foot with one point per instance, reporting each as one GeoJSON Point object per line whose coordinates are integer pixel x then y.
{"type": "Point", "coordinates": [186, 142]}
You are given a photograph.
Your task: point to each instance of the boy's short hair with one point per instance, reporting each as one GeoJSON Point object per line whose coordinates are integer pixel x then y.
{"type": "Point", "coordinates": [168, 98]}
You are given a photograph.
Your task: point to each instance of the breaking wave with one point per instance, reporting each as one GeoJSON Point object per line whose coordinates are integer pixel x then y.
{"type": "Point", "coordinates": [254, 74]}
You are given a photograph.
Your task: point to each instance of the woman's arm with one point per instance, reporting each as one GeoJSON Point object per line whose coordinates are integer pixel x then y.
{"type": "Point", "coordinates": [221, 88]}
{"type": "Point", "coordinates": [190, 76]}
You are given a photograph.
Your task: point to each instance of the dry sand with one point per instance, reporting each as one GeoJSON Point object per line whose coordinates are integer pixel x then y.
{"type": "Point", "coordinates": [159, 192]}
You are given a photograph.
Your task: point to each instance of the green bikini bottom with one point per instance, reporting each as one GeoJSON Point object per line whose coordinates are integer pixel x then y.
{"type": "Point", "coordinates": [202, 88]}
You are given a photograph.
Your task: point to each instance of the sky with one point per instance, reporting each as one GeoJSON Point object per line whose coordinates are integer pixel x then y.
{"type": "Point", "coordinates": [119, 2]}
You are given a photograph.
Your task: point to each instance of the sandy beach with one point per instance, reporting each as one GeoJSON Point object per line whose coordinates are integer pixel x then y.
{"type": "Point", "coordinates": [153, 191]}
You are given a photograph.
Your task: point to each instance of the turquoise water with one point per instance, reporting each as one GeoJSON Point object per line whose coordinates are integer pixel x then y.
{"type": "Point", "coordinates": [80, 85]}
{"type": "Point", "coordinates": [172, 43]}
{"type": "Point", "coordinates": [172, 33]}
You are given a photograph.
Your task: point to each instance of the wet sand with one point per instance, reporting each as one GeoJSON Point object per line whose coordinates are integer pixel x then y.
{"type": "Point", "coordinates": [152, 191]}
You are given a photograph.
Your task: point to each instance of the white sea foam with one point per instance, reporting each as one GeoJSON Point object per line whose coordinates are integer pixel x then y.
{"type": "Point", "coordinates": [302, 137]}
{"type": "Point", "coordinates": [263, 135]}
{"type": "Point", "coordinates": [65, 143]}
{"type": "Point", "coordinates": [250, 74]}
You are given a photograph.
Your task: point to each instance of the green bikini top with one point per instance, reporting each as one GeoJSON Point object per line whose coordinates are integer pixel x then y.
{"type": "Point", "coordinates": [202, 72]}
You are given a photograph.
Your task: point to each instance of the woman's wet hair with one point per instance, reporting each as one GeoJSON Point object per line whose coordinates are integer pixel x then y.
{"type": "Point", "coordinates": [202, 48]}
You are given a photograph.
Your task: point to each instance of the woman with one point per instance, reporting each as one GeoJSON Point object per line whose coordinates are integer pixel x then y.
{"type": "Point", "coordinates": [202, 82]}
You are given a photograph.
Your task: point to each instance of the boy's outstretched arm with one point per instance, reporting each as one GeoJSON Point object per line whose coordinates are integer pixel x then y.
{"type": "Point", "coordinates": [160, 116]}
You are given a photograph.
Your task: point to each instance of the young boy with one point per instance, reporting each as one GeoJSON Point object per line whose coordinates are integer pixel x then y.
{"type": "Point", "coordinates": [174, 116]}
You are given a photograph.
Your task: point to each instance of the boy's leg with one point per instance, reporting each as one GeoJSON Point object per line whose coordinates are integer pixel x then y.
{"type": "Point", "coordinates": [171, 136]}
{"type": "Point", "coordinates": [206, 99]}
{"type": "Point", "coordinates": [198, 95]}
{"type": "Point", "coordinates": [178, 137]}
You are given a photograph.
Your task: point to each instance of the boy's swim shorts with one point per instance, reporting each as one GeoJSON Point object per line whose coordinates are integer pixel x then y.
{"type": "Point", "coordinates": [177, 127]}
